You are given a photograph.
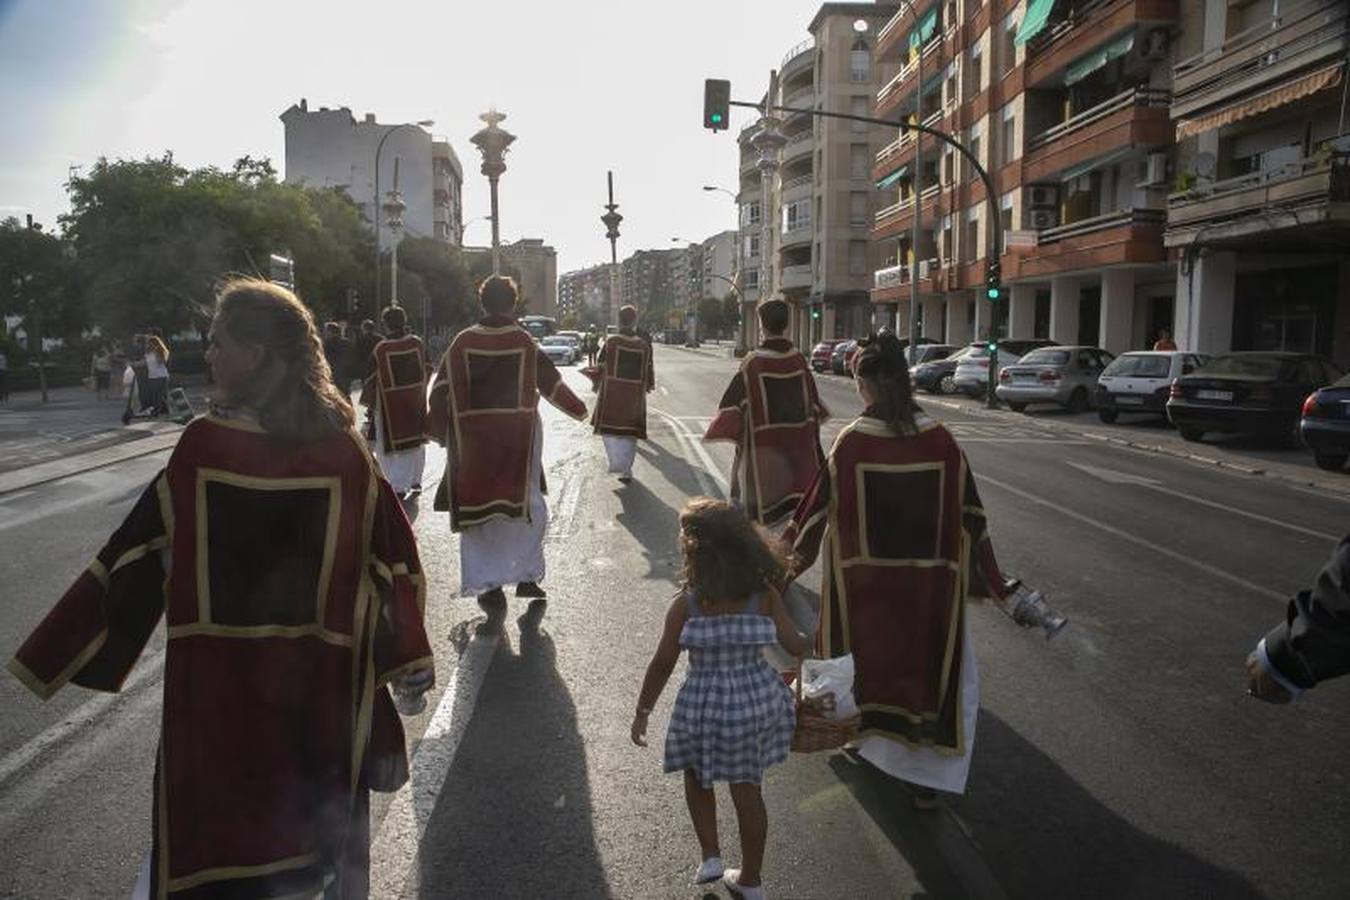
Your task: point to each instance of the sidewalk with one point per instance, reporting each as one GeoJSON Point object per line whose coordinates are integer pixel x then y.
{"type": "Point", "coordinates": [723, 350]}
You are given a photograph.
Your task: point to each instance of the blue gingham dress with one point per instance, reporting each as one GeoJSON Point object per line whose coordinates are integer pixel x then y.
{"type": "Point", "coordinates": [733, 716]}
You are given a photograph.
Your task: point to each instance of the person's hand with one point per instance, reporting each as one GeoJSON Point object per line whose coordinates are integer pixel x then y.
{"type": "Point", "coordinates": [1261, 685]}
{"type": "Point", "coordinates": [639, 729]}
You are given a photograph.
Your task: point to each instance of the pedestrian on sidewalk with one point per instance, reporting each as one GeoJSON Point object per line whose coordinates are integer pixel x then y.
{"type": "Point", "coordinates": [337, 351]}
{"type": "Point", "coordinates": [906, 549]}
{"type": "Point", "coordinates": [1164, 341]}
{"type": "Point", "coordinates": [772, 412]}
{"type": "Point", "coordinates": [4, 376]}
{"type": "Point", "coordinates": [484, 409]}
{"type": "Point", "coordinates": [136, 382]}
{"type": "Point", "coordinates": [624, 379]}
{"type": "Point", "coordinates": [1312, 644]}
{"type": "Point", "coordinates": [395, 392]}
{"type": "Point", "coordinates": [733, 717]}
{"type": "Point", "coordinates": [156, 376]}
{"type": "Point", "coordinates": [100, 367]}
{"type": "Point", "coordinates": [290, 583]}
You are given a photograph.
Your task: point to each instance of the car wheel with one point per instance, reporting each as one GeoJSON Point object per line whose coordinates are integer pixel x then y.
{"type": "Point", "coordinates": [1107, 415]}
{"type": "Point", "coordinates": [947, 384]}
{"type": "Point", "coordinates": [1017, 407]}
{"type": "Point", "coordinates": [1332, 462]}
{"type": "Point", "coordinates": [1190, 432]}
{"type": "Point", "coordinates": [1078, 401]}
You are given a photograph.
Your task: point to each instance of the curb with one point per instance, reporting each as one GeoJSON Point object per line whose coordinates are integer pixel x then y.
{"type": "Point", "coordinates": [1160, 449]}
{"type": "Point", "coordinates": [65, 467]}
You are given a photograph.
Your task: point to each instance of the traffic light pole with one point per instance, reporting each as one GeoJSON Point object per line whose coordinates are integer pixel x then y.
{"type": "Point", "coordinates": [995, 246]}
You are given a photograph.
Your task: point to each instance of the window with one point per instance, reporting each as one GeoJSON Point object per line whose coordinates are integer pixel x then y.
{"type": "Point", "coordinates": [946, 246]}
{"type": "Point", "coordinates": [951, 87]}
{"type": "Point", "coordinates": [752, 279]}
{"type": "Point", "coordinates": [1007, 135]}
{"type": "Point", "coordinates": [857, 160]}
{"type": "Point", "coordinates": [857, 257]}
{"type": "Point", "coordinates": [857, 208]}
{"type": "Point", "coordinates": [1005, 211]}
{"type": "Point", "coordinates": [750, 214]}
{"type": "Point", "coordinates": [973, 142]}
{"type": "Point", "coordinates": [1008, 45]}
{"type": "Point", "coordinates": [972, 235]}
{"type": "Point", "coordinates": [976, 70]}
{"type": "Point", "coordinates": [860, 63]}
{"type": "Point", "coordinates": [858, 106]}
{"type": "Point", "coordinates": [752, 247]}
{"type": "Point", "coordinates": [948, 164]}
{"type": "Point", "coordinates": [797, 215]}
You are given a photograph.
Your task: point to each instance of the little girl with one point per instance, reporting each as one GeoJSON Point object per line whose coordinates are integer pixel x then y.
{"type": "Point", "coordinates": [733, 716]}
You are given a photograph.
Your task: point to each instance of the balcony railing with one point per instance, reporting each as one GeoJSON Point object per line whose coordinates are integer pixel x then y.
{"type": "Point", "coordinates": [1300, 35]}
{"type": "Point", "coordinates": [796, 51]}
{"type": "Point", "coordinates": [895, 209]}
{"type": "Point", "coordinates": [797, 276]}
{"type": "Point", "coordinates": [799, 181]}
{"type": "Point", "coordinates": [1100, 223]}
{"type": "Point", "coordinates": [1298, 184]}
{"type": "Point", "coordinates": [891, 276]}
{"type": "Point", "coordinates": [1124, 100]}
{"type": "Point", "coordinates": [1060, 30]}
{"type": "Point", "coordinates": [907, 70]}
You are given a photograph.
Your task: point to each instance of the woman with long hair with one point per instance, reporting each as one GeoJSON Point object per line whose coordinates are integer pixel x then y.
{"type": "Point", "coordinates": [906, 548]}
{"type": "Point", "coordinates": [290, 583]}
{"type": "Point", "coordinates": [157, 375]}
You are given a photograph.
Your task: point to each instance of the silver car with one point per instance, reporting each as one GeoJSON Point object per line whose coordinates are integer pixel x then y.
{"type": "Point", "coordinates": [559, 349]}
{"type": "Point", "coordinates": [1063, 375]}
{"type": "Point", "coordinates": [972, 373]}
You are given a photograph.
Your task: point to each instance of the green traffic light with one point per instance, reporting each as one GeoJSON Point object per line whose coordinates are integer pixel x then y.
{"type": "Point", "coordinates": [993, 293]}
{"type": "Point", "coordinates": [717, 117]}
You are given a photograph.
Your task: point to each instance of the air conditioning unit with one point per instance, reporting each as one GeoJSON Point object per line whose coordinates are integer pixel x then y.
{"type": "Point", "coordinates": [1155, 170]}
{"type": "Point", "coordinates": [1155, 44]}
{"type": "Point", "coordinates": [1041, 219]}
{"type": "Point", "coordinates": [926, 267]}
{"type": "Point", "coordinates": [1042, 196]}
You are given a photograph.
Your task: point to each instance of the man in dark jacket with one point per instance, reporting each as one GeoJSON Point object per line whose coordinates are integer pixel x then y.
{"type": "Point", "coordinates": [1312, 644]}
{"type": "Point", "coordinates": [338, 351]}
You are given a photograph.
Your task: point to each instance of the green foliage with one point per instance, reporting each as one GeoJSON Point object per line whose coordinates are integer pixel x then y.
{"type": "Point", "coordinates": [434, 271]}
{"type": "Point", "coordinates": [712, 320]}
{"type": "Point", "coordinates": [36, 274]}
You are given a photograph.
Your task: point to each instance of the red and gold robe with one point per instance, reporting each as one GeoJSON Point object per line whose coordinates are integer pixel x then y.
{"type": "Point", "coordinates": [484, 401]}
{"type": "Point", "coordinates": [625, 376]}
{"type": "Point", "coordinates": [289, 580]}
{"type": "Point", "coordinates": [397, 376]}
{"type": "Point", "coordinates": [905, 548]}
{"type": "Point", "coordinates": [772, 411]}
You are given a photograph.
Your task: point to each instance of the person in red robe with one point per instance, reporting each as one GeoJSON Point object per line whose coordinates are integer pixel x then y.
{"type": "Point", "coordinates": [395, 390]}
{"type": "Point", "coordinates": [772, 411]}
{"type": "Point", "coordinates": [484, 410]}
{"type": "Point", "coordinates": [906, 548]}
{"type": "Point", "coordinates": [625, 376]}
{"type": "Point", "coordinates": [289, 581]}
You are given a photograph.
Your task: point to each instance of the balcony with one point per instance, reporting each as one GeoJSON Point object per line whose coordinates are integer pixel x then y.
{"type": "Point", "coordinates": [898, 218]}
{"type": "Point", "coordinates": [902, 83]}
{"type": "Point", "coordinates": [796, 233]}
{"type": "Point", "coordinates": [796, 59]}
{"type": "Point", "coordinates": [1116, 238]}
{"type": "Point", "coordinates": [893, 276]}
{"type": "Point", "coordinates": [797, 188]}
{"type": "Point", "coordinates": [796, 277]}
{"type": "Point", "coordinates": [901, 150]}
{"type": "Point", "coordinates": [803, 99]}
{"type": "Point", "coordinates": [797, 146]}
{"type": "Point", "coordinates": [894, 33]}
{"type": "Point", "coordinates": [1134, 118]}
{"type": "Point", "coordinates": [1307, 192]}
{"type": "Point", "coordinates": [1087, 26]}
{"type": "Point", "coordinates": [1267, 56]}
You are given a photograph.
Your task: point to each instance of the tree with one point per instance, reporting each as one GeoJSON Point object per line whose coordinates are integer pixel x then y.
{"type": "Point", "coordinates": [711, 320]}
{"type": "Point", "coordinates": [436, 271]}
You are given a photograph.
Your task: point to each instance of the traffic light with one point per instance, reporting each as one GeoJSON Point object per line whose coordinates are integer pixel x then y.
{"type": "Point", "coordinates": [815, 313]}
{"type": "Point", "coordinates": [993, 287]}
{"type": "Point", "coordinates": [716, 104]}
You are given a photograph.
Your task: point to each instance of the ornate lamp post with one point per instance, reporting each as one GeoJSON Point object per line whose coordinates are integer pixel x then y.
{"type": "Point", "coordinates": [611, 219]}
{"type": "Point", "coordinates": [375, 195]}
{"type": "Point", "coordinates": [393, 211]}
{"type": "Point", "coordinates": [493, 142]}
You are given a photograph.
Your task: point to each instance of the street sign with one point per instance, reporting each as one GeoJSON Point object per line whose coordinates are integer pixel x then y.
{"type": "Point", "coordinates": [1019, 238]}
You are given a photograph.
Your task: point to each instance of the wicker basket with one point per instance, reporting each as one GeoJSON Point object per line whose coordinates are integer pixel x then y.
{"type": "Point", "coordinates": [816, 731]}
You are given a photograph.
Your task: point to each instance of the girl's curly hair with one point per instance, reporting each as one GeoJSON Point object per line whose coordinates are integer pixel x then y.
{"type": "Point", "coordinates": [727, 557]}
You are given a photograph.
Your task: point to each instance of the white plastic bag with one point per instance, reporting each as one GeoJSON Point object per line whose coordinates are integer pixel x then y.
{"type": "Point", "coordinates": [831, 676]}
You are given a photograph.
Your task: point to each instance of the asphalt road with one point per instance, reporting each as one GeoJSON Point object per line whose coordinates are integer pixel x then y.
{"type": "Point", "coordinates": [1121, 760]}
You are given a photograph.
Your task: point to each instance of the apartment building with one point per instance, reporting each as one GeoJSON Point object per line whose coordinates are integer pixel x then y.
{"type": "Point", "coordinates": [718, 264]}
{"type": "Point", "coordinates": [331, 148]}
{"type": "Point", "coordinates": [1112, 131]}
{"type": "Point", "coordinates": [584, 294]}
{"type": "Point", "coordinates": [820, 198]}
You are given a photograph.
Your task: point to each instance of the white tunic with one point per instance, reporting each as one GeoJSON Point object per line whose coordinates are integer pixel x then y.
{"type": "Point", "coordinates": [503, 552]}
{"type": "Point", "coordinates": [402, 468]}
{"type": "Point", "coordinates": [621, 452]}
{"type": "Point", "coordinates": [924, 765]}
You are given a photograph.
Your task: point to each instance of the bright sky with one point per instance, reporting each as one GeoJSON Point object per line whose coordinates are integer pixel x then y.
{"type": "Point", "coordinates": [587, 86]}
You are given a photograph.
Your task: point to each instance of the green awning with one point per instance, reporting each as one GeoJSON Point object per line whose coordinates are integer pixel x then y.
{"type": "Point", "coordinates": [1033, 23]}
{"type": "Point", "coordinates": [924, 33]}
{"type": "Point", "coordinates": [893, 177]}
{"type": "Point", "coordinates": [1085, 66]}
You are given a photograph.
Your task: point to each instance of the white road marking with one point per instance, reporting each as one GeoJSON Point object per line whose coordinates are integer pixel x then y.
{"type": "Point", "coordinates": [394, 853]}
{"type": "Point", "coordinates": [707, 468]}
{"type": "Point", "coordinates": [1149, 545]}
{"type": "Point", "coordinates": [16, 495]}
{"type": "Point", "coordinates": [1111, 476]}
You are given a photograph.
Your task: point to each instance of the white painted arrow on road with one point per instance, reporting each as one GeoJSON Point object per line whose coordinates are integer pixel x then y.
{"type": "Point", "coordinates": [1112, 476]}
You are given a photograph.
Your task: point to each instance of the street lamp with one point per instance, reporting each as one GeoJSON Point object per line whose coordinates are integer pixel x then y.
{"type": "Point", "coordinates": [611, 220]}
{"type": "Point", "coordinates": [493, 143]}
{"type": "Point", "coordinates": [394, 208]}
{"type": "Point", "coordinates": [375, 197]}
{"type": "Point", "coordinates": [713, 187]}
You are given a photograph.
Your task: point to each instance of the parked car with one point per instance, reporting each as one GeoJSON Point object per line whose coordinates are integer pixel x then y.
{"type": "Point", "coordinates": [841, 358]}
{"type": "Point", "coordinates": [972, 373]}
{"type": "Point", "coordinates": [924, 352]}
{"type": "Point", "coordinates": [559, 349]}
{"type": "Point", "coordinates": [1066, 376]}
{"type": "Point", "coordinates": [1325, 424]}
{"type": "Point", "coordinates": [937, 376]}
{"type": "Point", "coordinates": [821, 353]}
{"type": "Point", "coordinates": [1139, 381]}
{"type": "Point", "coordinates": [1254, 392]}
{"type": "Point", "coordinates": [574, 335]}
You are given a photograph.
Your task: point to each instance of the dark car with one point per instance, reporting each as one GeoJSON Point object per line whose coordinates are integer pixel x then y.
{"type": "Point", "coordinates": [924, 352]}
{"type": "Point", "coordinates": [820, 354]}
{"type": "Point", "coordinates": [1325, 424]}
{"type": "Point", "coordinates": [936, 376]}
{"type": "Point", "coordinates": [842, 356]}
{"type": "Point", "coordinates": [1254, 392]}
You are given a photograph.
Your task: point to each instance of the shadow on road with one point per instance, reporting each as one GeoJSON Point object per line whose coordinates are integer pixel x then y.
{"type": "Point", "coordinates": [514, 819]}
{"type": "Point", "coordinates": [1035, 829]}
{"type": "Point", "coordinates": [677, 470]}
{"type": "Point", "coordinates": [655, 525]}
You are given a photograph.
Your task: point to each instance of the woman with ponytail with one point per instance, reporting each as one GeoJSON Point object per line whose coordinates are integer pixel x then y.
{"type": "Point", "coordinates": [289, 580]}
{"type": "Point", "coordinates": [906, 549]}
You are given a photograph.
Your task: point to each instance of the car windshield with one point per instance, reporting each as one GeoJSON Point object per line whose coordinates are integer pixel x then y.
{"type": "Point", "coordinates": [556, 340]}
{"type": "Point", "coordinates": [1251, 365]}
{"type": "Point", "coordinates": [1046, 358]}
{"type": "Point", "coordinates": [1141, 365]}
